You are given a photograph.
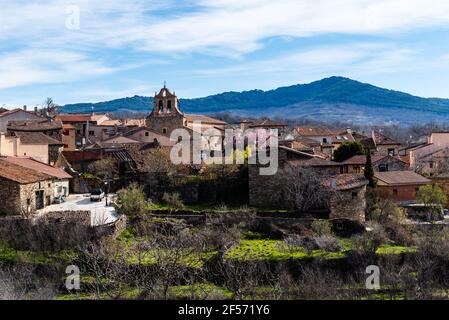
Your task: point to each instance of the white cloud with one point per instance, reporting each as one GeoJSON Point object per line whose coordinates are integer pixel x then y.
{"type": "Point", "coordinates": [38, 48]}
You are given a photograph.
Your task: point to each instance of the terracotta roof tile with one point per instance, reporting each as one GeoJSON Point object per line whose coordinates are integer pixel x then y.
{"type": "Point", "coordinates": [20, 174]}
{"type": "Point", "coordinates": [394, 178]}
{"type": "Point", "coordinates": [203, 118]}
{"type": "Point", "coordinates": [36, 138]}
{"type": "Point", "coordinates": [29, 163]}
{"type": "Point", "coordinates": [34, 125]}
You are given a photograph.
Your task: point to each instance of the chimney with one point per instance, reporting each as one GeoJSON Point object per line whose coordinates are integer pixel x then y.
{"type": "Point", "coordinates": [24, 108]}
{"type": "Point", "coordinates": [349, 130]}
{"type": "Point", "coordinates": [35, 110]}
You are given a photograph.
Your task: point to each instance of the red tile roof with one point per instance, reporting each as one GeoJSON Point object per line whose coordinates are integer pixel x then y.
{"type": "Point", "coordinates": [36, 138]}
{"type": "Point", "coordinates": [203, 118]}
{"type": "Point", "coordinates": [34, 125]}
{"type": "Point", "coordinates": [31, 164]}
{"type": "Point", "coordinates": [313, 132]}
{"type": "Point", "coordinates": [20, 174]}
{"type": "Point", "coordinates": [397, 178]}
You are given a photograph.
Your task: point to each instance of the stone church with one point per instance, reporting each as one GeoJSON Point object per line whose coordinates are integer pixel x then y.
{"type": "Point", "coordinates": [167, 116]}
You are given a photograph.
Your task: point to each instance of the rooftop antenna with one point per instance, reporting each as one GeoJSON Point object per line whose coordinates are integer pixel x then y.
{"type": "Point", "coordinates": [165, 84]}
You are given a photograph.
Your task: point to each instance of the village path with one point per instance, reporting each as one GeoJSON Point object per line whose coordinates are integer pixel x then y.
{"type": "Point", "coordinates": [100, 213]}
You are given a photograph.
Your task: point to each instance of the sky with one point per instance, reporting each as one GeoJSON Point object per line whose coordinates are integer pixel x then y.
{"type": "Point", "coordinates": [99, 50]}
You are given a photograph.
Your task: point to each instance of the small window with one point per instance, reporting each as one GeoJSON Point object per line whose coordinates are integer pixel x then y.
{"type": "Point", "coordinates": [91, 133]}
{"type": "Point", "coordinates": [392, 152]}
{"type": "Point", "coordinates": [354, 195]}
{"type": "Point", "coordinates": [383, 168]}
{"type": "Point", "coordinates": [431, 165]}
{"type": "Point", "coordinates": [324, 140]}
{"type": "Point", "coordinates": [147, 134]}
{"type": "Point", "coordinates": [395, 192]}
{"type": "Point", "coordinates": [28, 202]}
{"type": "Point", "coordinates": [161, 106]}
{"type": "Point", "coordinates": [168, 106]}
{"type": "Point", "coordinates": [164, 131]}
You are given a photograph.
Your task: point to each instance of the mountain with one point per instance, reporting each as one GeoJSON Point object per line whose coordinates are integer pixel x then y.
{"type": "Point", "coordinates": [330, 99]}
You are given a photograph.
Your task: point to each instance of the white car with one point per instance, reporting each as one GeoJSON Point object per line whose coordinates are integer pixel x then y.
{"type": "Point", "coordinates": [97, 195]}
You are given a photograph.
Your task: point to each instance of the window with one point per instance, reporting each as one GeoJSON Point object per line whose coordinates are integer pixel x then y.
{"type": "Point", "coordinates": [354, 195]}
{"type": "Point", "coordinates": [147, 134]}
{"type": "Point", "coordinates": [383, 168]}
{"type": "Point", "coordinates": [395, 192]}
{"type": "Point", "coordinates": [168, 106]}
{"type": "Point", "coordinates": [91, 133]}
{"type": "Point", "coordinates": [431, 165]}
{"type": "Point", "coordinates": [392, 152]}
{"type": "Point", "coordinates": [161, 106]}
{"type": "Point", "coordinates": [164, 131]}
{"type": "Point", "coordinates": [324, 140]}
{"type": "Point", "coordinates": [28, 202]}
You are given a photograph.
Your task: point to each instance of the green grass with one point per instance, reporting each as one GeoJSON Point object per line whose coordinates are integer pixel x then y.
{"type": "Point", "coordinates": [394, 250]}
{"type": "Point", "coordinates": [200, 291]}
{"type": "Point", "coordinates": [38, 258]}
{"type": "Point", "coordinates": [263, 250]}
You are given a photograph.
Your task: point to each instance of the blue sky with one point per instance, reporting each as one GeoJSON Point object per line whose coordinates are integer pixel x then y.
{"type": "Point", "coordinates": [92, 50]}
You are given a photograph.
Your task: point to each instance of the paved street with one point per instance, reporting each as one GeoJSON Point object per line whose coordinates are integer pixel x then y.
{"type": "Point", "coordinates": [100, 214]}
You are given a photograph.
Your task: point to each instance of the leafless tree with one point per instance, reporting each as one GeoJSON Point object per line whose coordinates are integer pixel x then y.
{"type": "Point", "coordinates": [305, 189]}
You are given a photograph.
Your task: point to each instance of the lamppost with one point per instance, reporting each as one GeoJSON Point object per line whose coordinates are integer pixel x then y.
{"type": "Point", "coordinates": [107, 183]}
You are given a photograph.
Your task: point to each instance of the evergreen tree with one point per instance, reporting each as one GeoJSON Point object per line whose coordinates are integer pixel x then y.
{"type": "Point", "coordinates": [369, 170]}
{"type": "Point", "coordinates": [347, 150]}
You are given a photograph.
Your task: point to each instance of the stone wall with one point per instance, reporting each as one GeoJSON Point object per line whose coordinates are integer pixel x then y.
{"type": "Point", "coordinates": [168, 122]}
{"type": "Point", "coordinates": [349, 204]}
{"type": "Point", "coordinates": [10, 196]}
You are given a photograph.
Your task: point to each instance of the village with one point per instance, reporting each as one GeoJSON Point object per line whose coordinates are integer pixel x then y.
{"type": "Point", "coordinates": [70, 180]}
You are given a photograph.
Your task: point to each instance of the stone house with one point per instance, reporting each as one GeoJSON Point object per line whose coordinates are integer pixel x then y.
{"type": "Point", "coordinates": [381, 163]}
{"type": "Point", "coordinates": [400, 186]}
{"type": "Point", "coordinates": [433, 164]}
{"type": "Point", "coordinates": [146, 135]}
{"type": "Point", "coordinates": [349, 197]}
{"type": "Point", "coordinates": [84, 134]}
{"type": "Point", "coordinates": [24, 190]}
{"type": "Point", "coordinates": [60, 178]}
{"type": "Point", "coordinates": [385, 145]}
{"type": "Point", "coordinates": [51, 128]}
{"type": "Point", "coordinates": [16, 115]}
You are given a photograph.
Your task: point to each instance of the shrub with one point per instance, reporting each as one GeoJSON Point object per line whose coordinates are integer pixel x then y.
{"type": "Point", "coordinates": [368, 242]}
{"type": "Point", "coordinates": [131, 201]}
{"type": "Point", "coordinates": [322, 227]}
{"type": "Point", "coordinates": [173, 200]}
{"type": "Point", "coordinates": [328, 243]}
